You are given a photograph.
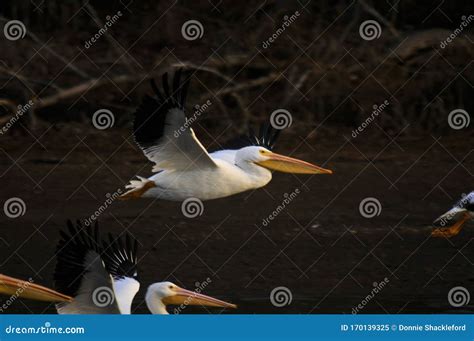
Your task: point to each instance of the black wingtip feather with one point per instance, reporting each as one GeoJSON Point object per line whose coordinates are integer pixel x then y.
{"type": "Point", "coordinates": [76, 242]}
{"type": "Point", "coordinates": [149, 121]}
{"type": "Point", "coordinates": [184, 90]}
{"type": "Point", "coordinates": [267, 137]}
{"type": "Point", "coordinates": [166, 88]}
{"type": "Point", "coordinates": [177, 84]}
{"type": "Point", "coordinates": [121, 257]}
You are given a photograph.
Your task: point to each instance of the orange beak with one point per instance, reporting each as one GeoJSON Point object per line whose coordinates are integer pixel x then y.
{"type": "Point", "coordinates": [25, 289]}
{"type": "Point", "coordinates": [286, 164]}
{"type": "Point", "coordinates": [189, 297]}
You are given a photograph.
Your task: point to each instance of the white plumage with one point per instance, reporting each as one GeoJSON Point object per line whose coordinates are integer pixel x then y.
{"type": "Point", "coordinates": [185, 169]}
{"type": "Point", "coordinates": [97, 277]}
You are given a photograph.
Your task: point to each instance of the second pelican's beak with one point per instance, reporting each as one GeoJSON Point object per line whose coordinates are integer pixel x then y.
{"type": "Point", "coordinates": [188, 297]}
{"type": "Point", "coordinates": [25, 289]}
{"type": "Point", "coordinates": [288, 164]}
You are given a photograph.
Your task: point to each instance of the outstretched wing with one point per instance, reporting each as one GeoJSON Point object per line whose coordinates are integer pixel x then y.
{"type": "Point", "coordinates": [81, 273]}
{"type": "Point", "coordinates": [162, 131]}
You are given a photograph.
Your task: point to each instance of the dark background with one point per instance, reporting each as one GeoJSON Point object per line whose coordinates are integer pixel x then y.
{"type": "Point", "coordinates": [321, 71]}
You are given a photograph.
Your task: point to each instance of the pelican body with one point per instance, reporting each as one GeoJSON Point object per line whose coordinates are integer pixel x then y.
{"type": "Point", "coordinates": [184, 167]}
{"type": "Point", "coordinates": [209, 183]}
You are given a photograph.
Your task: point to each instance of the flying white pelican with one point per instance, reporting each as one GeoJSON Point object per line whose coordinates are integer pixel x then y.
{"type": "Point", "coordinates": [450, 223]}
{"type": "Point", "coordinates": [184, 168]}
{"type": "Point", "coordinates": [98, 277]}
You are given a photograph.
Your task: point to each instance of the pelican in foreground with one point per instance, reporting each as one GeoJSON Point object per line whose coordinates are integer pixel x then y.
{"type": "Point", "coordinates": [184, 167]}
{"type": "Point", "coordinates": [100, 277]}
{"type": "Point", "coordinates": [450, 223]}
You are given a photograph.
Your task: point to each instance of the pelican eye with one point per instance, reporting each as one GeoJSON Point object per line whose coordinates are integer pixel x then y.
{"type": "Point", "coordinates": [170, 287]}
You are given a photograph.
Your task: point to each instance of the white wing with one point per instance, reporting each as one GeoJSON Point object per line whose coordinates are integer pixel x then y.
{"type": "Point", "coordinates": [162, 131]}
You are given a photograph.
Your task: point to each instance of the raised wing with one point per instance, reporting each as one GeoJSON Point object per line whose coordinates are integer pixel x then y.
{"type": "Point", "coordinates": [81, 273]}
{"type": "Point", "coordinates": [162, 131]}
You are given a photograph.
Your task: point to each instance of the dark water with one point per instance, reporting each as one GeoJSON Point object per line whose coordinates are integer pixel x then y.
{"type": "Point", "coordinates": [319, 247]}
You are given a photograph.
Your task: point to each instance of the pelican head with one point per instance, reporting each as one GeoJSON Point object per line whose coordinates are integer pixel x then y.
{"type": "Point", "coordinates": [265, 158]}
{"type": "Point", "coordinates": [159, 295]}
